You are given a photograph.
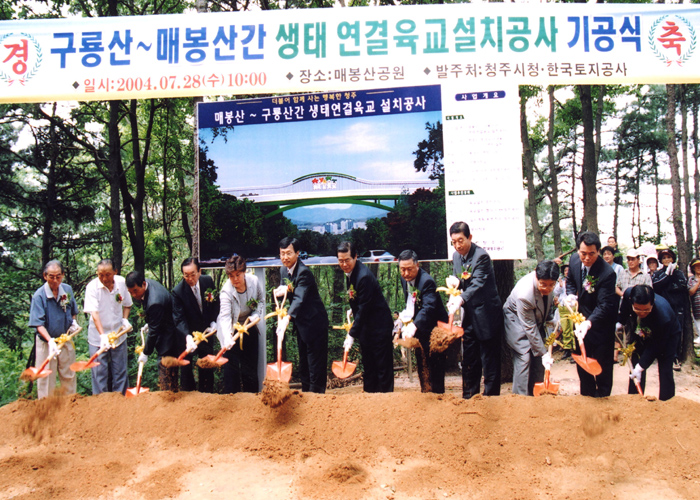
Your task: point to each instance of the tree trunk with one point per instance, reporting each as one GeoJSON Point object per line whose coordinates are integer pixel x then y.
{"type": "Point", "coordinates": [114, 178]}
{"type": "Point", "coordinates": [616, 200]}
{"type": "Point", "coordinates": [529, 167]}
{"type": "Point", "coordinates": [573, 185]}
{"type": "Point", "coordinates": [504, 271]}
{"type": "Point", "coordinates": [696, 176]}
{"type": "Point", "coordinates": [599, 124]}
{"type": "Point", "coordinates": [589, 169]}
{"type": "Point", "coordinates": [686, 173]}
{"type": "Point", "coordinates": [655, 168]}
{"type": "Point", "coordinates": [677, 213]}
{"type": "Point", "coordinates": [50, 196]}
{"type": "Point", "coordinates": [554, 185]}
{"type": "Point", "coordinates": [164, 208]}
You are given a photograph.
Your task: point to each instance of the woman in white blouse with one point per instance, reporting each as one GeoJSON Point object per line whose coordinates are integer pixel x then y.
{"type": "Point", "coordinates": [242, 297]}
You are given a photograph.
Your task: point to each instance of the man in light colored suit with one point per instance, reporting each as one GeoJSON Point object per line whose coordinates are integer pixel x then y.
{"type": "Point", "coordinates": [525, 313]}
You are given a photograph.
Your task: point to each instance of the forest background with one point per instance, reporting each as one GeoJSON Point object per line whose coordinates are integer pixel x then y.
{"type": "Point", "coordinates": [86, 181]}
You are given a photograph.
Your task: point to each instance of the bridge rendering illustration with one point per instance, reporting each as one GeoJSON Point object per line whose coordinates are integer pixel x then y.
{"type": "Point", "coordinates": [321, 188]}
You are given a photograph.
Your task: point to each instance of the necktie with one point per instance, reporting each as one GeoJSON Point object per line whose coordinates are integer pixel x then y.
{"type": "Point", "coordinates": [584, 273]}
{"type": "Point", "coordinates": [198, 296]}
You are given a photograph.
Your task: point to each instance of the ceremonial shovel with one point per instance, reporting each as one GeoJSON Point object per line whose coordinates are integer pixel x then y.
{"type": "Point", "coordinates": [547, 386]}
{"type": "Point", "coordinates": [180, 360]}
{"type": "Point", "coordinates": [590, 365]}
{"type": "Point", "coordinates": [343, 369]}
{"type": "Point", "coordinates": [217, 361]}
{"type": "Point", "coordinates": [135, 391]}
{"type": "Point", "coordinates": [281, 370]}
{"type": "Point", "coordinates": [628, 355]}
{"type": "Point", "coordinates": [32, 373]}
{"type": "Point", "coordinates": [79, 366]}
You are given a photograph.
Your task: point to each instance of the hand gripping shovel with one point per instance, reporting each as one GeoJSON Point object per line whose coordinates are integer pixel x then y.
{"type": "Point", "coordinates": [198, 338]}
{"type": "Point", "coordinates": [627, 353]}
{"type": "Point", "coordinates": [79, 366]}
{"type": "Point", "coordinates": [343, 369]}
{"type": "Point", "coordinates": [217, 361]}
{"type": "Point", "coordinates": [590, 365]}
{"type": "Point", "coordinates": [444, 334]}
{"type": "Point", "coordinates": [32, 373]}
{"type": "Point", "coordinates": [135, 391]}
{"type": "Point", "coordinates": [547, 386]}
{"type": "Point", "coordinates": [280, 370]}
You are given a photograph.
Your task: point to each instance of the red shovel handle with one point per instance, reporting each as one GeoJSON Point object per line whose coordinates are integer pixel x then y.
{"type": "Point", "coordinates": [219, 354]}
{"type": "Point", "coordinates": [182, 356]}
{"type": "Point", "coordinates": [44, 364]}
{"type": "Point", "coordinates": [345, 359]}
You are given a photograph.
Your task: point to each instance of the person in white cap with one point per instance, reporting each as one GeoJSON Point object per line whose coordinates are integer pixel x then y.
{"type": "Point", "coordinates": [633, 275]}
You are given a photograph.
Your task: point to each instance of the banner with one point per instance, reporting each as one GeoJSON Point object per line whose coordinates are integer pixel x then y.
{"type": "Point", "coordinates": [346, 49]}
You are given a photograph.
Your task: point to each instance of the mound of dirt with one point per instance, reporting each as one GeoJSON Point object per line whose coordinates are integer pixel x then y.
{"type": "Point", "coordinates": [404, 445]}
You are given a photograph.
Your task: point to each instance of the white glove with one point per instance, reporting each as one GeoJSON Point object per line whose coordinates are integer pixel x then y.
{"type": "Point", "coordinates": [347, 344]}
{"type": "Point", "coordinates": [454, 304]}
{"type": "Point", "coordinates": [143, 358]}
{"type": "Point", "coordinates": [228, 341]}
{"type": "Point", "coordinates": [547, 361]}
{"type": "Point", "coordinates": [282, 325]}
{"type": "Point", "coordinates": [452, 282]}
{"type": "Point", "coordinates": [125, 324]}
{"type": "Point", "coordinates": [582, 330]}
{"type": "Point", "coordinates": [104, 341]}
{"type": "Point", "coordinates": [618, 327]}
{"type": "Point", "coordinates": [145, 329]}
{"type": "Point", "coordinates": [671, 267]}
{"type": "Point", "coordinates": [73, 327]}
{"type": "Point", "coordinates": [280, 290]}
{"type": "Point", "coordinates": [636, 374]}
{"type": "Point", "coordinates": [53, 348]}
{"type": "Point", "coordinates": [212, 326]}
{"type": "Point", "coordinates": [409, 331]}
{"type": "Point", "coordinates": [191, 346]}
{"type": "Point", "coordinates": [571, 301]}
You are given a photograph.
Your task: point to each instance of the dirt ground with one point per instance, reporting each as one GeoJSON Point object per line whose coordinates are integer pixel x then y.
{"type": "Point", "coordinates": [350, 445]}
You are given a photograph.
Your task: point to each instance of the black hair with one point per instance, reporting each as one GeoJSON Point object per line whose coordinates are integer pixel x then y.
{"type": "Point", "coordinates": [347, 246]}
{"type": "Point", "coordinates": [460, 227]}
{"type": "Point", "coordinates": [607, 248]}
{"type": "Point", "coordinates": [642, 294]}
{"type": "Point", "coordinates": [547, 270]}
{"type": "Point", "coordinates": [135, 278]}
{"type": "Point", "coordinates": [408, 255]}
{"type": "Point", "coordinates": [235, 263]}
{"type": "Point", "coordinates": [289, 240]}
{"type": "Point", "coordinates": [188, 261]}
{"type": "Point", "coordinates": [589, 239]}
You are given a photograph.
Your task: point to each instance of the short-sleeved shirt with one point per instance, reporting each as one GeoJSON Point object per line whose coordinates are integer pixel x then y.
{"type": "Point", "coordinates": [54, 314]}
{"type": "Point", "coordinates": [695, 299]}
{"type": "Point", "coordinates": [108, 305]}
{"type": "Point", "coordinates": [626, 280]}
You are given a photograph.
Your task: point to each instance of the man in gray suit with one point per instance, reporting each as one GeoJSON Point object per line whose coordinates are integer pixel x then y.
{"type": "Point", "coordinates": [525, 313]}
{"type": "Point", "coordinates": [482, 317]}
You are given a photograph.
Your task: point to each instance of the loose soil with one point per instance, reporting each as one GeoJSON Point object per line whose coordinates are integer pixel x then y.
{"type": "Point", "coordinates": [350, 445]}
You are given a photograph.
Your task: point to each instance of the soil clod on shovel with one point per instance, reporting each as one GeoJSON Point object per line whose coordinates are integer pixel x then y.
{"type": "Point", "coordinates": [275, 393]}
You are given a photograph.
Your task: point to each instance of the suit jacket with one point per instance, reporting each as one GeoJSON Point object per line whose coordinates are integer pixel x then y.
{"type": "Point", "coordinates": [186, 314]}
{"type": "Point", "coordinates": [482, 306]}
{"type": "Point", "coordinates": [306, 308]}
{"type": "Point", "coordinates": [162, 335]}
{"type": "Point", "coordinates": [662, 323]}
{"type": "Point", "coordinates": [371, 314]}
{"type": "Point", "coordinates": [599, 306]}
{"type": "Point", "coordinates": [525, 313]}
{"type": "Point", "coordinates": [429, 308]}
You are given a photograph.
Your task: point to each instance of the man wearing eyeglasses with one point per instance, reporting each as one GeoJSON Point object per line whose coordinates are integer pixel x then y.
{"type": "Point", "coordinates": [654, 329]}
{"type": "Point", "coordinates": [592, 281]}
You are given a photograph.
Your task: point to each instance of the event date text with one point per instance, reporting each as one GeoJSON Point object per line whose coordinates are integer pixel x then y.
{"type": "Point", "coordinates": [172, 82]}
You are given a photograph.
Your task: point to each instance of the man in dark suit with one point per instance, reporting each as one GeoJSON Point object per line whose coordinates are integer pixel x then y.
{"type": "Point", "coordinates": [424, 306]}
{"type": "Point", "coordinates": [482, 317]}
{"type": "Point", "coordinates": [372, 322]}
{"type": "Point", "coordinates": [592, 281]}
{"type": "Point", "coordinates": [162, 337]}
{"type": "Point", "coordinates": [308, 315]}
{"type": "Point", "coordinates": [195, 308]}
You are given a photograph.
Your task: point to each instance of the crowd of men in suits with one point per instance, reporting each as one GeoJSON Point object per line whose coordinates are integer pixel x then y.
{"type": "Point", "coordinates": [172, 318]}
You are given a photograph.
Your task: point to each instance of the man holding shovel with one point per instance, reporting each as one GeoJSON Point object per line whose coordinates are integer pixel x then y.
{"type": "Point", "coordinates": [195, 308]}
{"type": "Point", "coordinates": [372, 323]}
{"type": "Point", "coordinates": [162, 334]}
{"type": "Point", "coordinates": [108, 303]}
{"type": "Point", "coordinates": [592, 281]}
{"type": "Point", "coordinates": [52, 313]}
{"type": "Point", "coordinates": [424, 306]}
